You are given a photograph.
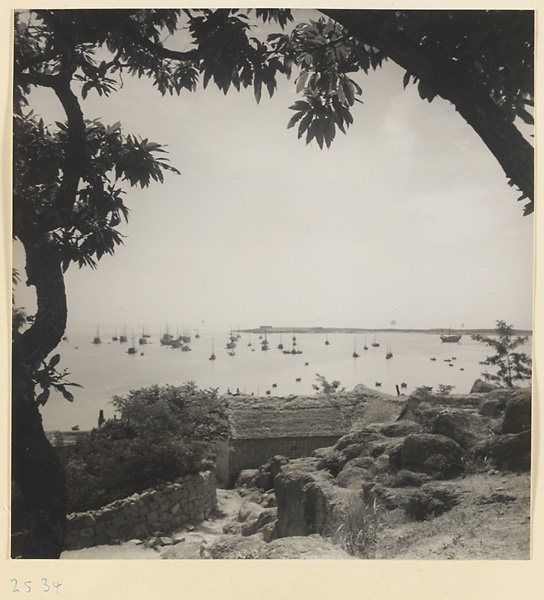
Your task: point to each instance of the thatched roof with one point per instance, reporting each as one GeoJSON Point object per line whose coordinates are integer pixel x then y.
{"type": "Point", "coordinates": [253, 417]}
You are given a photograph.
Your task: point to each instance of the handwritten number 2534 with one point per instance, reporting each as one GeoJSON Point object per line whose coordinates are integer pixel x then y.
{"type": "Point", "coordinates": [46, 587]}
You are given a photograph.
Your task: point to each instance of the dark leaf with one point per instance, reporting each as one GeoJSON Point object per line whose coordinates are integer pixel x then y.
{"type": "Point", "coordinates": [294, 119]}
{"type": "Point", "coordinates": [43, 397]}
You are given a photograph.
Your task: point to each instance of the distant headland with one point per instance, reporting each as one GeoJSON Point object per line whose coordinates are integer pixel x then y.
{"type": "Point", "coordinates": [433, 331]}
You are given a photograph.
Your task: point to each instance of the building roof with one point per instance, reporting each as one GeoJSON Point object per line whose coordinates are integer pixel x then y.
{"type": "Point", "coordinates": [254, 417]}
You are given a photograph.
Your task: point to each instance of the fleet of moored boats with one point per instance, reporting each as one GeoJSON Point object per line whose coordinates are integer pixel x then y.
{"type": "Point", "coordinates": [182, 342]}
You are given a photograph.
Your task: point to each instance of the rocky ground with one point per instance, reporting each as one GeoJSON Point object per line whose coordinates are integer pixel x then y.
{"type": "Point", "coordinates": [448, 478]}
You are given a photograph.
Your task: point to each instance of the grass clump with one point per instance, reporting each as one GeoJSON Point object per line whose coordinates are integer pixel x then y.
{"type": "Point", "coordinates": [358, 532]}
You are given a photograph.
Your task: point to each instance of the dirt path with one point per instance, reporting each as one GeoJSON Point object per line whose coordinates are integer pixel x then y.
{"type": "Point", "coordinates": [187, 542]}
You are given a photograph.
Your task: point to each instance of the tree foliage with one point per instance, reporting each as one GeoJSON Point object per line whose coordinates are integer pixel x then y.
{"type": "Point", "coordinates": [511, 366]}
{"type": "Point", "coordinates": [159, 434]}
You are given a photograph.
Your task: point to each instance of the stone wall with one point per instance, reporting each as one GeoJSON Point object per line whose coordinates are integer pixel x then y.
{"type": "Point", "coordinates": [190, 500]}
{"type": "Point", "coordinates": [252, 453]}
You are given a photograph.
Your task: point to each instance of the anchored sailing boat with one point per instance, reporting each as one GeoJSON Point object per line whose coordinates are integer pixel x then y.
{"type": "Point", "coordinates": [212, 357]}
{"type": "Point", "coordinates": [450, 338]}
{"type": "Point", "coordinates": [389, 353]}
{"type": "Point", "coordinates": [375, 344]}
{"type": "Point", "coordinates": [97, 339]}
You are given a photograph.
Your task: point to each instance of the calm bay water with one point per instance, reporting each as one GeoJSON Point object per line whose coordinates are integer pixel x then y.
{"type": "Point", "coordinates": [107, 369]}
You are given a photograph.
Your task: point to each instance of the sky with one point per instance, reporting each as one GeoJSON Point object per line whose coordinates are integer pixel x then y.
{"type": "Point", "coordinates": [407, 218]}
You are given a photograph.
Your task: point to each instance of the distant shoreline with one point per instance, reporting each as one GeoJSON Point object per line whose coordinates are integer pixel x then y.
{"type": "Point", "coordinates": [436, 331]}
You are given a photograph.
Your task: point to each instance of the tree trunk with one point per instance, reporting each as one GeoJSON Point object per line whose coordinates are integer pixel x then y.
{"type": "Point", "coordinates": [513, 152]}
{"type": "Point", "coordinates": [36, 469]}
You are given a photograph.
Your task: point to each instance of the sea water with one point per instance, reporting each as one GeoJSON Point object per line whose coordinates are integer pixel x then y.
{"type": "Point", "coordinates": [106, 369]}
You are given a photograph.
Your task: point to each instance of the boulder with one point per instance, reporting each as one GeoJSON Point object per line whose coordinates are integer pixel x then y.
{"type": "Point", "coordinates": [263, 477]}
{"type": "Point", "coordinates": [508, 452]}
{"type": "Point", "coordinates": [492, 408]}
{"type": "Point", "coordinates": [353, 475]}
{"type": "Point", "coordinates": [481, 387]}
{"type": "Point", "coordinates": [434, 454]}
{"type": "Point", "coordinates": [308, 502]}
{"type": "Point", "coordinates": [268, 515]}
{"type": "Point", "coordinates": [183, 551]}
{"type": "Point", "coordinates": [401, 428]}
{"type": "Point", "coordinates": [430, 500]}
{"type": "Point", "coordinates": [463, 426]}
{"type": "Point", "coordinates": [517, 413]}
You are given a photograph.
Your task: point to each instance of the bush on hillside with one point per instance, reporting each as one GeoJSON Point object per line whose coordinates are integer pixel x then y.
{"type": "Point", "coordinates": [162, 433]}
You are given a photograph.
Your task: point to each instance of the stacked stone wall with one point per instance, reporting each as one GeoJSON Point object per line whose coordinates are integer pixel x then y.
{"type": "Point", "coordinates": [190, 500]}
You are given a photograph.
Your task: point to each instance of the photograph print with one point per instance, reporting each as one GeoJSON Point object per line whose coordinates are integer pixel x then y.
{"type": "Point", "coordinates": [272, 284]}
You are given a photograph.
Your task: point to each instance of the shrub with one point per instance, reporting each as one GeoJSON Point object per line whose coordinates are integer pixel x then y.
{"type": "Point", "coordinates": [162, 434]}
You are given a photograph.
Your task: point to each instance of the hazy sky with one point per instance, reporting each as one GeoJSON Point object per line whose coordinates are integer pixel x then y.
{"type": "Point", "coordinates": [408, 218]}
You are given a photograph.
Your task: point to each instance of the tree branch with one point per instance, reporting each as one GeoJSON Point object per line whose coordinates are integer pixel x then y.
{"type": "Point", "coordinates": [496, 129]}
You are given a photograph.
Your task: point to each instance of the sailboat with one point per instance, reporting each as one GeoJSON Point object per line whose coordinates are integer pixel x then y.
{"type": "Point", "coordinates": [197, 335]}
{"type": "Point", "coordinates": [365, 346]}
{"type": "Point", "coordinates": [355, 355]}
{"type": "Point", "coordinates": [280, 345]}
{"type": "Point", "coordinates": [249, 341]}
{"type": "Point", "coordinates": [264, 343]}
{"type": "Point", "coordinates": [389, 353]}
{"type": "Point", "coordinates": [327, 340]}
{"type": "Point", "coordinates": [375, 344]}
{"type": "Point", "coordinates": [449, 338]}
{"type": "Point", "coordinates": [212, 357]}
{"type": "Point", "coordinates": [115, 338]}
{"type": "Point", "coordinates": [143, 339]}
{"type": "Point", "coordinates": [132, 349]}
{"type": "Point", "coordinates": [97, 339]}
{"type": "Point", "coordinates": [123, 338]}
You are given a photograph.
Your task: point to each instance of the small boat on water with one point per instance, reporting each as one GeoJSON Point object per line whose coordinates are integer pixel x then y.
{"type": "Point", "coordinates": [97, 339]}
{"type": "Point", "coordinates": [450, 338]}
{"type": "Point", "coordinates": [378, 384]}
{"type": "Point", "coordinates": [231, 353]}
{"type": "Point", "coordinates": [143, 339]}
{"type": "Point", "coordinates": [123, 338]}
{"type": "Point", "coordinates": [327, 343]}
{"type": "Point", "coordinates": [365, 347]}
{"type": "Point", "coordinates": [132, 349]}
{"type": "Point", "coordinates": [389, 353]}
{"type": "Point", "coordinates": [280, 345]}
{"type": "Point", "coordinates": [355, 355]}
{"type": "Point", "coordinates": [212, 356]}
{"type": "Point", "coordinates": [375, 344]}
{"type": "Point", "coordinates": [403, 385]}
